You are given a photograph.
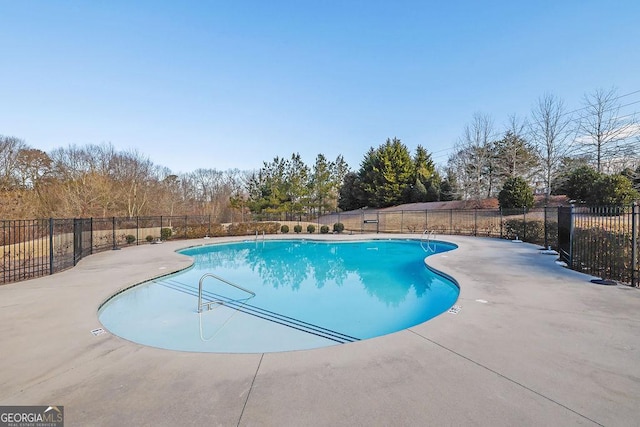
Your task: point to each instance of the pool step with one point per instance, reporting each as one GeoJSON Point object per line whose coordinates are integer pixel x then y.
{"type": "Point", "coordinates": [262, 313]}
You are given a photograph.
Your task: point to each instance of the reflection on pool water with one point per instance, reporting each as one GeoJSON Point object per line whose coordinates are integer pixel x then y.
{"type": "Point", "coordinates": [308, 294]}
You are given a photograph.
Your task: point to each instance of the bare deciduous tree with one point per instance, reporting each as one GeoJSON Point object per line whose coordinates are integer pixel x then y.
{"type": "Point", "coordinates": [552, 133]}
{"type": "Point", "coordinates": [133, 178]}
{"type": "Point", "coordinates": [603, 132]}
{"type": "Point", "coordinates": [473, 158]}
{"type": "Point", "coordinates": [31, 166]}
{"type": "Point", "coordinates": [76, 178]}
{"type": "Point", "coordinates": [10, 148]}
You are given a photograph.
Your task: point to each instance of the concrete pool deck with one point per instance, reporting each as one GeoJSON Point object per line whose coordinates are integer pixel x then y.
{"type": "Point", "coordinates": [532, 344]}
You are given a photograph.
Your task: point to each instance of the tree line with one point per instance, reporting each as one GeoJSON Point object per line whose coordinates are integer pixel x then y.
{"type": "Point", "coordinates": [589, 154]}
{"type": "Point", "coordinates": [546, 153]}
{"type": "Point", "coordinates": [545, 148]}
{"type": "Point", "coordinates": [99, 181]}
{"type": "Point", "coordinates": [290, 187]}
{"type": "Point", "coordinates": [389, 175]}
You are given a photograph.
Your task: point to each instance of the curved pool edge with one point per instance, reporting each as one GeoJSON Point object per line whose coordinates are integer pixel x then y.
{"type": "Point", "coordinates": [188, 244]}
{"type": "Point", "coordinates": [184, 245]}
{"type": "Point", "coordinates": [440, 272]}
{"type": "Point", "coordinates": [131, 286]}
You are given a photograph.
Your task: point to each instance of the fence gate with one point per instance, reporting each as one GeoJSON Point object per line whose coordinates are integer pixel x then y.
{"type": "Point", "coordinates": [370, 222]}
{"type": "Point", "coordinates": [82, 239]}
{"type": "Point", "coordinates": [565, 234]}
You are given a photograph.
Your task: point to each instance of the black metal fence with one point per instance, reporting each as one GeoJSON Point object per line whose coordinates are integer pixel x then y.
{"type": "Point", "coordinates": [598, 241]}
{"type": "Point", "coordinates": [538, 226]}
{"type": "Point", "coordinates": [601, 241]}
{"type": "Point", "coordinates": [33, 248]}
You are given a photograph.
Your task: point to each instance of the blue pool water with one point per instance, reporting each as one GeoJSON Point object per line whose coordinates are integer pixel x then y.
{"type": "Point", "coordinates": [308, 294]}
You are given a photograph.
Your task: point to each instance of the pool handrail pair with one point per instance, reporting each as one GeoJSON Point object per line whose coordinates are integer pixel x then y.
{"type": "Point", "coordinates": [208, 304]}
{"type": "Point", "coordinates": [429, 239]}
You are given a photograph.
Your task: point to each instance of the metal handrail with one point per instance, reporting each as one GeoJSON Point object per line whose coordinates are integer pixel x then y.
{"type": "Point", "coordinates": [429, 238]}
{"type": "Point", "coordinates": [209, 303]}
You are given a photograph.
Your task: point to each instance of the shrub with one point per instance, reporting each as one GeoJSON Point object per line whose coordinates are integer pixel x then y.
{"type": "Point", "coordinates": [311, 228]}
{"type": "Point", "coordinates": [217, 230]}
{"type": "Point", "coordinates": [284, 228]}
{"type": "Point", "coordinates": [585, 184]}
{"type": "Point", "coordinates": [612, 190]}
{"type": "Point", "coordinates": [149, 238]}
{"type": "Point", "coordinates": [515, 193]}
{"type": "Point", "coordinates": [165, 233]}
{"type": "Point", "coordinates": [249, 228]}
{"type": "Point", "coordinates": [581, 182]}
{"type": "Point", "coordinates": [130, 238]}
{"type": "Point", "coordinates": [297, 228]}
{"type": "Point", "coordinates": [324, 229]}
{"type": "Point", "coordinates": [338, 227]}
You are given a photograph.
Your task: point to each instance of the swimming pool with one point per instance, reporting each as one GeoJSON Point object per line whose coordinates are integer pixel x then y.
{"type": "Point", "coordinates": [308, 294]}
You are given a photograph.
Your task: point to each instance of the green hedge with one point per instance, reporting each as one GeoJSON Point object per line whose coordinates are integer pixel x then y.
{"type": "Point", "coordinates": [247, 228]}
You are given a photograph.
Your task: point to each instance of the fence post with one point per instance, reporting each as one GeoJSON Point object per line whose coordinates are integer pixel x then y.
{"type": "Point", "coordinates": [475, 221]}
{"type": "Point", "coordinates": [186, 222]}
{"type": "Point", "coordinates": [501, 224]}
{"type": "Point", "coordinates": [137, 230]}
{"type": "Point", "coordinates": [572, 226]}
{"type": "Point", "coordinates": [401, 220]}
{"type": "Point", "coordinates": [115, 245]}
{"type": "Point", "coordinates": [91, 235]}
{"type": "Point", "coordinates": [450, 221]}
{"type": "Point", "coordinates": [634, 244]}
{"type": "Point", "coordinates": [524, 223]}
{"type": "Point", "coordinates": [209, 233]}
{"type": "Point", "coordinates": [377, 222]}
{"type": "Point", "coordinates": [50, 245]}
{"type": "Point", "coordinates": [426, 220]}
{"type": "Point", "coordinates": [77, 240]}
{"type": "Point", "coordinates": [546, 230]}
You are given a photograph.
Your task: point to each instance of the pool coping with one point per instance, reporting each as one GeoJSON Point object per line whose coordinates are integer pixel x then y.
{"type": "Point", "coordinates": [533, 343]}
{"type": "Point", "coordinates": [296, 331]}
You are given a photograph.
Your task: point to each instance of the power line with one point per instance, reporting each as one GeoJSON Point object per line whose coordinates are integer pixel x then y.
{"type": "Point", "coordinates": [612, 99]}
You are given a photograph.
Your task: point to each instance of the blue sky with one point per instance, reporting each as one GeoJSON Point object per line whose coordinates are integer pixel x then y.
{"type": "Point", "coordinates": [230, 84]}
